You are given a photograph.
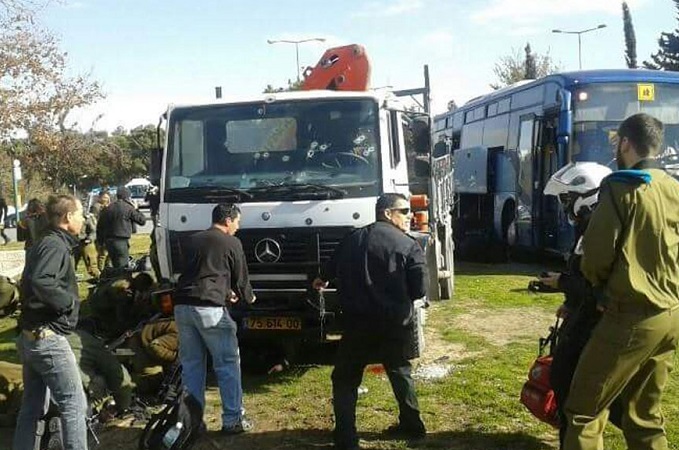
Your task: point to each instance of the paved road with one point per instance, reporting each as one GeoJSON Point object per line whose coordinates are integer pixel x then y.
{"type": "Point", "coordinates": [146, 229]}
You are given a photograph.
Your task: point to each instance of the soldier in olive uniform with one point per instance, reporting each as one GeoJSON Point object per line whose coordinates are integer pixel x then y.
{"type": "Point", "coordinates": [9, 296]}
{"type": "Point", "coordinates": [100, 370]}
{"type": "Point", "coordinates": [120, 304]}
{"type": "Point", "coordinates": [102, 203]}
{"type": "Point", "coordinates": [86, 250]}
{"type": "Point", "coordinates": [155, 350]}
{"type": "Point", "coordinates": [630, 257]}
{"type": "Point", "coordinates": [11, 390]}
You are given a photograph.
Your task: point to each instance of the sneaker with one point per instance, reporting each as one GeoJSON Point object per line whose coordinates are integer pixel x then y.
{"type": "Point", "coordinates": [239, 427]}
{"type": "Point", "coordinates": [402, 432]}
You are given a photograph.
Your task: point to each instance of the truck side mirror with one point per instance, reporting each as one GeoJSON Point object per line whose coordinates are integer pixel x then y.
{"type": "Point", "coordinates": [421, 136]}
{"type": "Point", "coordinates": [156, 166]}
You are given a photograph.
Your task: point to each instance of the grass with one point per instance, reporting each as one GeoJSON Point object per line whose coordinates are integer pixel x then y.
{"type": "Point", "coordinates": [475, 407]}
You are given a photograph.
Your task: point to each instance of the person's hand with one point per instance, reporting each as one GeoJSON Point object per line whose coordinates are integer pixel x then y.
{"type": "Point", "coordinates": [563, 312]}
{"type": "Point", "coordinates": [233, 298]}
{"type": "Point", "coordinates": [253, 299]}
{"type": "Point", "coordinates": [319, 284]}
{"type": "Point", "coordinates": [551, 280]}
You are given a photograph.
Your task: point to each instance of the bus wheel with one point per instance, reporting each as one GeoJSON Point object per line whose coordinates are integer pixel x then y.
{"type": "Point", "coordinates": [508, 228]}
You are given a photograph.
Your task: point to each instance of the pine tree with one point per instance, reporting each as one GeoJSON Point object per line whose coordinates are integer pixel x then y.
{"type": "Point", "coordinates": [630, 38]}
{"type": "Point", "coordinates": [531, 71]}
{"type": "Point", "coordinates": [667, 57]}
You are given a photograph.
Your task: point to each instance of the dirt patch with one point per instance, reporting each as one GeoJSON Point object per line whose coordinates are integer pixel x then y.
{"type": "Point", "coordinates": [437, 349]}
{"type": "Point", "coordinates": [501, 327]}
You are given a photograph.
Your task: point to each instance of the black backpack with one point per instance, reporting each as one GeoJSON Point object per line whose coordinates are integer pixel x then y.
{"type": "Point", "coordinates": [184, 409]}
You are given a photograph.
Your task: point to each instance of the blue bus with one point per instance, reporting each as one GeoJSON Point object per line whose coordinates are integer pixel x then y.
{"type": "Point", "coordinates": [508, 143]}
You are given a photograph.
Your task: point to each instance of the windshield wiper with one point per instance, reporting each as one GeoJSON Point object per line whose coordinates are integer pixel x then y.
{"type": "Point", "coordinates": [211, 190]}
{"type": "Point", "coordinates": [299, 188]}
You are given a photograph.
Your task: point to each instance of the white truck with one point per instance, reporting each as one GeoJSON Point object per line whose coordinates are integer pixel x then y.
{"type": "Point", "coordinates": [306, 168]}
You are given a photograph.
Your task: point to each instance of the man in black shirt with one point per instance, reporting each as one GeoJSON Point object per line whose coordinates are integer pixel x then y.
{"type": "Point", "coordinates": [379, 271]}
{"type": "Point", "coordinates": [116, 225]}
{"type": "Point", "coordinates": [49, 312]}
{"type": "Point", "coordinates": [216, 276]}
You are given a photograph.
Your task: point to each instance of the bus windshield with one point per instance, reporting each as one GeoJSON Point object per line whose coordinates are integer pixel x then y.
{"type": "Point", "coordinates": [600, 108]}
{"type": "Point", "coordinates": [267, 148]}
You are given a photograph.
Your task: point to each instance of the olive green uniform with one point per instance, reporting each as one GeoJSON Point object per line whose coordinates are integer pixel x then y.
{"type": "Point", "coordinates": [155, 349]}
{"type": "Point", "coordinates": [11, 391]}
{"type": "Point", "coordinates": [87, 250]}
{"type": "Point", "coordinates": [100, 370]}
{"type": "Point", "coordinates": [102, 253]}
{"type": "Point", "coordinates": [631, 253]}
{"type": "Point", "coordinates": [115, 310]}
{"type": "Point", "coordinates": [9, 296]}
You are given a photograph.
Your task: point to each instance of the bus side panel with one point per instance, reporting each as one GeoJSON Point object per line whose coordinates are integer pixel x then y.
{"type": "Point", "coordinates": [471, 171]}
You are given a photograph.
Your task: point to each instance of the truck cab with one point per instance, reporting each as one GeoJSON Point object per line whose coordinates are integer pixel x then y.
{"type": "Point", "coordinates": [305, 168]}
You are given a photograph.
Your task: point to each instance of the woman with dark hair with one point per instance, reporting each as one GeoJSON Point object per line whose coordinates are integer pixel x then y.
{"type": "Point", "coordinates": [34, 224]}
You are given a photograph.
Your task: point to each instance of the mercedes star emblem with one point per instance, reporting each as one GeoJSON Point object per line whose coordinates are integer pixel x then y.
{"type": "Point", "coordinates": [268, 251]}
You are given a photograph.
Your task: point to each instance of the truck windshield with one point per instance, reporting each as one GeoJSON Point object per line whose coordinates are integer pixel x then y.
{"type": "Point", "coordinates": [302, 149]}
{"type": "Point", "coordinates": [600, 108]}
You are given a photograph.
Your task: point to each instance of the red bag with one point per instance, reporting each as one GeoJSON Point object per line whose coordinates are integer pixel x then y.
{"type": "Point", "coordinates": [537, 394]}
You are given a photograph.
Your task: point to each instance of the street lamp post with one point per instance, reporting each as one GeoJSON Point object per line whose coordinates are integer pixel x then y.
{"type": "Point", "coordinates": [579, 33]}
{"type": "Point", "coordinates": [296, 42]}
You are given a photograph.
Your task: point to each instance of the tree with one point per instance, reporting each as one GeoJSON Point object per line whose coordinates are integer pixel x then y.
{"type": "Point", "coordinates": [516, 67]}
{"type": "Point", "coordinates": [292, 86]}
{"type": "Point", "coordinates": [630, 38]}
{"type": "Point", "coordinates": [37, 97]}
{"type": "Point", "coordinates": [667, 56]}
{"type": "Point", "coordinates": [35, 90]}
{"type": "Point", "coordinates": [531, 70]}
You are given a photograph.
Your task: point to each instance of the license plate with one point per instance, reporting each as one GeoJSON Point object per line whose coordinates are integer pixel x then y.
{"type": "Point", "coordinates": [273, 323]}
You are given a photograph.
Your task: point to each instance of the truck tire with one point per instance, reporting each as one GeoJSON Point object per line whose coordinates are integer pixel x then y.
{"type": "Point", "coordinates": [416, 344]}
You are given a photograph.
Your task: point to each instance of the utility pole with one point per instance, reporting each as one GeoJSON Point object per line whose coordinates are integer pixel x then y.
{"type": "Point", "coordinates": [297, 42]}
{"type": "Point", "coordinates": [580, 33]}
{"type": "Point", "coordinates": [16, 176]}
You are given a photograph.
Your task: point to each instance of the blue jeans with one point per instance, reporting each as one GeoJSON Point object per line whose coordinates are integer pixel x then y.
{"type": "Point", "coordinates": [50, 363]}
{"type": "Point", "coordinates": [210, 329]}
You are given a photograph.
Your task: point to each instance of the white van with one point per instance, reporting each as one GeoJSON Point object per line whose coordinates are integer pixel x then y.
{"type": "Point", "coordinates": [138, 188]}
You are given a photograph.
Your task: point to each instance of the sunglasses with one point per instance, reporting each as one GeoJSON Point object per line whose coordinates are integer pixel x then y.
{"type": "Point", "coordinates": [403, 211]}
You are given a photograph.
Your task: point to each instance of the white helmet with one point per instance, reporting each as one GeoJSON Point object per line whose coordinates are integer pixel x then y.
{"type": "Point", "coordinates": [577, 187]}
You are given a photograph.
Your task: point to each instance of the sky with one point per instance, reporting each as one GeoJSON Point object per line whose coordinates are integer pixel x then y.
{"type": "Point", "coordinates": [149, 53]}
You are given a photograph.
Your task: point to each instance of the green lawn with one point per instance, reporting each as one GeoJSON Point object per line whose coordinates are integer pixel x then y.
{"type": "Point", "coordinates": [488, 337]}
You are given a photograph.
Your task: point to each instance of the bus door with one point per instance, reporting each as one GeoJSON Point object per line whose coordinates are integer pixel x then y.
{"type": "Point", "coordinates": [525, 187]}
{"type": "Point", "coordinates": [545, 163]}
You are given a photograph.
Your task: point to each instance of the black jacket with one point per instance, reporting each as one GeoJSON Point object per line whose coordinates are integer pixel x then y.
{"type": "Point", "coordinates": [215, 266]}
{"type": "Point", "coordinates": [379, 272]}
{"type": "Point", "coordinates": [49, 290]}
{"type": "Point", "coordinates": [117, 221]}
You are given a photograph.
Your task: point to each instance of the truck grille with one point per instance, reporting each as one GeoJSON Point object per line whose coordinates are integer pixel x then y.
{"type": "Point", "coordinates": [301, 250]}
